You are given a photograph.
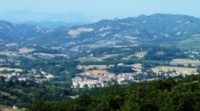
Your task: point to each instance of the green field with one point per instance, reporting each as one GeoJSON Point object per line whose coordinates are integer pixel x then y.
{"type": "Point", "coordinates": [188, 44]}
{"type": "Point", "coordinates": [10, 69]}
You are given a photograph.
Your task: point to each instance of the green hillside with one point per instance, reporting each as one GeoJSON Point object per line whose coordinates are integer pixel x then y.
{"type": "Point", "coordinates": [158, 95]}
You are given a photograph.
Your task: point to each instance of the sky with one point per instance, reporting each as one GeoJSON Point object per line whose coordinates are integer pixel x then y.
{"type": "Point", "coordinates": [91, 10]}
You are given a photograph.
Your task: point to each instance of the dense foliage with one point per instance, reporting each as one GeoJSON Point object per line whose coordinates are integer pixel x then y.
{"type": "Point", "coordinates": [120, 69]}
{"type": "Point", "coordinates": [22, 93]}
{"type": "Point", "coordinates": [58, 66]}
{"type": "Point", "coordinates": [158, 95]}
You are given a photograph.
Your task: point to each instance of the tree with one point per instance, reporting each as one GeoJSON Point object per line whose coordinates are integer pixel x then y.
{"type": "Point", "coordinates": [149, 107]}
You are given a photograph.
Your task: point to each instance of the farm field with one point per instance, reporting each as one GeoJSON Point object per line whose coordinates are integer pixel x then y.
{"type": "Point", "coordinates": [128, 57]}
{"type": "Point", "coordinates": [109, 55]}
{"type": "Point", "coordinates": [7, 53]}
{"type": "Point", "coordinates": [88, 59]}
{"type": "Point", "coordinates": [6, 108]}
{"type": "Point", "coordinates": [136, 66]}
{"type": "Point", "coordinates": [10, 69]}
{"type": "Point", "coordinates": [25, 50]}
{"type": "Point", "coordinates": [171, 68]}
{"type": "Point", "coordinates": [137, 54]}
{"type": "Point", "coordinates": [188, 44]}
{"type": "Point", "coordinates": [11, 45]}
{"type": "Point", "coordinates": [185, 62]}
{"type": "Point", "coordinates": [140, 54]}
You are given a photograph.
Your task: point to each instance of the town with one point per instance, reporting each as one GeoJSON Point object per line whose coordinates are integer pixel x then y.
{"type": "Point", "coordinates": [94, 80]}
{"type": "Point", "coordinates": [31, 76]}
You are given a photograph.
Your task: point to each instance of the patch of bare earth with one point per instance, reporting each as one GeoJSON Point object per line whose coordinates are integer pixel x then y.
{"type": "Point", "coordinates": [177, 69]}
{"type": "Point", "coordinates": [185, 62]}
{"type": "Point", "coordinates": [25, 50]}
{"type": "Point", "coordinates": [76, 32]}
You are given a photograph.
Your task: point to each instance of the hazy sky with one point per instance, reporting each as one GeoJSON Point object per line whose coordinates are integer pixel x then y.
{"type": "Point", "coordinates": [92, 10]}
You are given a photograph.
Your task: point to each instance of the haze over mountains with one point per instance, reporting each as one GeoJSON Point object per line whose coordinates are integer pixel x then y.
{"type": "Point", "coordinates": [159, 29]}
{"type": "Point", "coordinates": [51, 24]}
{"type": "Point", "coordinates": [21, 16]}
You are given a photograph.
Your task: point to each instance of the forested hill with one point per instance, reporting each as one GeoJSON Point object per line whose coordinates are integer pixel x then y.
{"type": "Point", "coordinates": [159, 95]}
{"type": "Point", "coordinates": [152, 29]}
{"type": "Point", "coordinates": [156, 29]}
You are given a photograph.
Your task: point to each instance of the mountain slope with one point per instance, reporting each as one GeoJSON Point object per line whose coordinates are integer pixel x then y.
{"type": "Point", "coordinates": [10, 32]}
{"type": "Point", "coordinates": [153, 29]}
{"type": "Point", "coordinates": [157, 29]}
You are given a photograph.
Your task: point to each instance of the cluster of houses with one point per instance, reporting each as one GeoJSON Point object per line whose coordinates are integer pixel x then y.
{"type": "Point", "coordinates": [38, 78]}
{"type": "Point", "coordinates": [104, 80]}
{"type": "Point", "coordinates": [176, 73]}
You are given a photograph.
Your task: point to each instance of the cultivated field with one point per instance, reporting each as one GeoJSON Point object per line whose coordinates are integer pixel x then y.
{"type": "Point", "coordinates": [141, 54]}
{"type": "Point", "coordinates": [25, 50]}
{"type": "Point", "coordinates": [88, 59]}
{"type": "Point", "coordinates": [109, 55]}
{"type": "Point", "coordinates": [185, 62]}
{"type": "Point", "coordinates": [7, 53]}
{"type": "Point", "coordinates": [171, 68]}
{"type": "Point", "coordinates": [8, 108]}
{"type": "Point", "coordinates": [11, 44]}
{"type": "Point", "coordinates": [192, 43]}
{"type": "Point", "coordinates": [10, 69]}
{"type": "Point", "coordinates": [128, 57]}
{"type": "Point", "coordinates": [137, 66]}
{"type": "Point", "coordinates": [76, 32]}
{"type": "Point", "coordinates": [137, 54]}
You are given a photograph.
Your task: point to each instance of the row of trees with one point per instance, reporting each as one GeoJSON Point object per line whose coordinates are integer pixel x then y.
{"type": "Point", "coordinates": [120, 69]}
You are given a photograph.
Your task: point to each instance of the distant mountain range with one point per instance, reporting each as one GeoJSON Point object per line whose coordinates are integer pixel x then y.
{"type": "Point", "coordinates": [50, 24]}
{"type": "Point", "coordinates": [21, 16]}
{"type": "Point", "coordinates": [157, 29]}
